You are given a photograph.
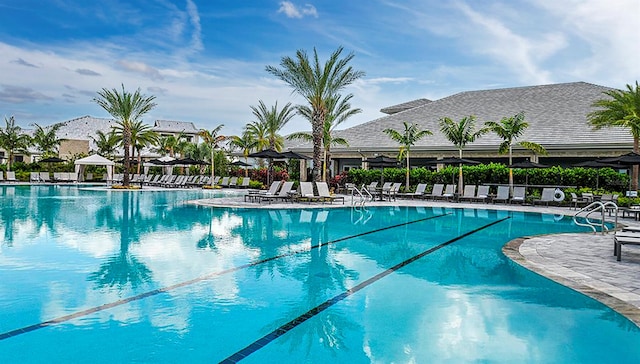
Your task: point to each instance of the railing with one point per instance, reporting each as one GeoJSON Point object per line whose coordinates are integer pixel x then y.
{"type": "Point", "coordinates": [596, 207]}
{"type": "Point", "coordinates": [361, 194]}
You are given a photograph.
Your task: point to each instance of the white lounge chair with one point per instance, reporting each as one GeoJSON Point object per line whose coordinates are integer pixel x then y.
{"type": "Point", "coordinates": [11, 176]}
{"type": "Point", "coordinates": [418, 193]}
{"type": "Point", "coordinates": [283, 194]}
{"type": "Point", "coordinates": [325, 195]}
{"type": "Point", "coordinates": [519, 194]}
{"type": "Point", "coordinates": [502, 195]}
{"type": "Point", "coordinates": [436, 191]}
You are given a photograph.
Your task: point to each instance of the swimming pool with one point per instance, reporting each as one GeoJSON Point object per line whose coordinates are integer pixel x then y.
{"type": "Point", "coordinates": [113, 276]}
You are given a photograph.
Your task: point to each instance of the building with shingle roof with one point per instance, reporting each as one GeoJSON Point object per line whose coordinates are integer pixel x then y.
{"type": "Point", "coordinates": [556, 113]}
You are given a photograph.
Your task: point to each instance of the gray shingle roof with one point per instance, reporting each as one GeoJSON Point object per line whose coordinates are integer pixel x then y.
{"type": "Point", "coordinates": [175, 126]}
{"type": "Point", "coordinates": [557, 117]}
{"type": "Point", "coordinates": [404, 106]}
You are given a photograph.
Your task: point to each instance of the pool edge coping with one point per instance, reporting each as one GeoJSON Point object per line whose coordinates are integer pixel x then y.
{"type": "Point", "coordinates": [601, 294]}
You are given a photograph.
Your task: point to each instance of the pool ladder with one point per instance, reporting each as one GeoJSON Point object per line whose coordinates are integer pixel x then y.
{"type": "Point", "coordinates": [596, 207]}
{"type": "Point", "coordinates": [359, 196]}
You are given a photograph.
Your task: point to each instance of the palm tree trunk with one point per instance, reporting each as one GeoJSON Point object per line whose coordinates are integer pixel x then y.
{"type": "Point", "coordinates": [460, 181]}
{"type": "Point", "coordinates": [317, 133]}
{"type": "Point", "coordinates": [212, 167]}
{"type": "Point", "coordinates": [126, 141]}
{"type": "Point", "coordinates": [634, 169]}
{"type": "Point", "coordinates": [406, 187]}
{"type": "Point", "coordinates": [510, 171]}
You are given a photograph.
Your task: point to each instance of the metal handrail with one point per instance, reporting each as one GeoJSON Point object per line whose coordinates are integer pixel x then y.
{"type": "Point", "coordinates": [596, 206]}
{"type": "Point", "coordinates": [362, 199]}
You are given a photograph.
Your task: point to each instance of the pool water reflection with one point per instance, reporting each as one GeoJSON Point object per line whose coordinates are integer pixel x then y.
{"type": "Point", "coordinates": [193, 284]}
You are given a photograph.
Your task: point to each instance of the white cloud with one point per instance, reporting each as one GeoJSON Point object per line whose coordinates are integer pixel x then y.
{"type": "Point", "coordinates": [293, 11]}
{"type": "Point", "coordinates": [194, 18]}
{"type": "Point", "coordinates": [141, 68]}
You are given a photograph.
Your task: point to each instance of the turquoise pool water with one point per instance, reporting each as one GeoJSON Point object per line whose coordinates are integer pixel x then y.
{"type": "Point", "coordinates": [111, 277]}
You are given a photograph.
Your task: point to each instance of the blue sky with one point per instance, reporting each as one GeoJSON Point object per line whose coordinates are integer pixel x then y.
{"type": "Point", "coordinates": [205, 60]}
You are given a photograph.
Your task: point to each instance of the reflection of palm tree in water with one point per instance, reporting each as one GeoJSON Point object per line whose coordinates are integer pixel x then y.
{"type": "Point", "coordinates": [322, 278]}
{"type": "Point", "coordinates": [208, 241]}
{"type": "Point", "coordinates": [123, 268]}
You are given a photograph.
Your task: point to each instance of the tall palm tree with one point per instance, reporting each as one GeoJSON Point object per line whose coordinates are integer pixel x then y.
{"type": "Point", "coordinates": [620, 109]}
{"type": "Point", "coordinates": [126, 108]}
{"type": "Point", "coordinates": [460, 133]}
{"type": "Point", "coordinates": [273, 120]}
{"type": "Point", "coordinates": [408, 137]}
{"type": "Point", "coordinates": [245, 143]}
{"type": "Point", "coordinates": [317, 84]}
{"type": "Point", "coordinates": [45, 139]}
{"type": "Point", "coordinates": [510, 129]}
{"type": "Point", "coordinates": [142, 136]}
{"type": "Point", "coordinates": [258, 132]}
{"type": "Point", "coordinates": [12, 139]}
{"type": "Point", "coordinates": [212, 138]}
{"type": "Point", "coordinates": [338, 110]}
{"type": "Point", "coordinates": [107, 143]}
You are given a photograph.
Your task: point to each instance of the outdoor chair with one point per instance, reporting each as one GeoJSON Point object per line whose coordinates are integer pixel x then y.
{"type": "Point", "coordinates": [578, 201]}
{"type": "Point", "coordinates": [11, 176]}
{"type": "Point", "coordinates": [371, 187]}
{"type": "Point", "coordinates": [245, 182]}
{"type": "Point", "coordinates": [283, 194]}
{"type": "Point", "coordinates": [224, 182]}
{"type": "Point", "coordinates": [469, 193]}
{"type": "Point", "coordinates": [419, 192]}
{"type": "Point", "coordinates": [519, 195]}
{"type": "Point", "coordinates": [546, 197]}
{"type": "Point", "coordinates": [1, 176]}
{"type": "Point", "coordinates": [482, 194]}
{"type": "Point", "coordinates": [392, 192]}
{"type": "Point", "coordinates": [502, 195]}
{"type": "Point", "coordinates": [254, 195]}
{"type": "Point", "coordinates": [233, 182]}
{"type": "Point", "coordinates": [44, 177]}
{"type": "Point", "coordinates": [306, 192]}
{"type": "Point", "coordinates": [449, 192]}
{"type": "Point", "coordinates": [34, 177]}
{"type": "Point", "coordinates": [436, 191]}
{"type": "Point", "coordinates": [621, 238]}
{"type": "Point", "coordinates": [325, 195]}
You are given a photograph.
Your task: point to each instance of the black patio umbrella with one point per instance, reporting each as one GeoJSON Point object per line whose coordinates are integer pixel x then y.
{"type": "Point", "coordinates": [629, 159]}
{"type": "Point", "coordinates": [186, 162]}
{"type": "Point", "coordinates": [598, 164]}
{"type": "Point", "coordinates": [269, 154]}
{"type": "Point", "coordinates": [382, 162]}
{"type": "Point", "coordinates": [240, 164]}
{"type": "Point", "coordinates": [293, 155]}
{"type": "Point", "coordinates": [526, 165]}
{"type": "Point", "coordinates": [158, 162]}
{"type": "Point", "coordinates": [52, 160]}
{"type": "Point", "coordinates": [456, 161]}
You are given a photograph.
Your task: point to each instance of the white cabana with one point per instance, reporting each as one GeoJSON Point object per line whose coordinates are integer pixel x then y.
{"type": "Point", "coordinates": [94, 160]}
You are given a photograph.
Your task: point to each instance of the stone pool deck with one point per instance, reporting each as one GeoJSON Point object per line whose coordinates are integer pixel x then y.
{"type": "Point", "coordinates": [584, 262]}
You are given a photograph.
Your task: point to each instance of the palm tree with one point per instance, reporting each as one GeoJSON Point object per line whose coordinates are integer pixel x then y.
{"type": "Point", "coordinates": [46, 140]}
{"type": "Point", "coordinates": [13, 140]}
{"type": "Point", "coordinates": [317, 84]}
{"type": "Point", "coordinates": [510, 129]}
{"type": "Point", "coordinates": [338, 110]}
{"type": "Point", "coordinates": [107, 144]}
{"type": "Point", "coordinates": [212, 139]}
{"type": "Point", "coordinates": [142, 136]}
{"type": "Point", "coordinates": [406, 139]}
{"type": "Point", "coordinates": [460, 133]}
{"type": "Point", "coordinates": [273, 121]}
{"type": "Point", "coordinates": [258, 132]}
{"type": "Point", "coordinates": [126, 108]}
{"type": "Point", "coordinates": [246, 143]}
{"type": "Point", "coordinates": [621, 109]}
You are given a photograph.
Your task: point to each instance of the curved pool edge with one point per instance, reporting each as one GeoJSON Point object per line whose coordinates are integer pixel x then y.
{"type": "Point", "coordinates": [538, 255]}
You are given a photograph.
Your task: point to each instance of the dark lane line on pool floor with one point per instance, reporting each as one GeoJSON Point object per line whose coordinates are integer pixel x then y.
{"type": "Point", "coordinates": [107, 306]}
{"type": "Point", "coordinates": [263, 341]}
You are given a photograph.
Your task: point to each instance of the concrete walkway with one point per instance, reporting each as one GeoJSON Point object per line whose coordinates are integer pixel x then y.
{"type": "Point", "coordinates": [584, 262]}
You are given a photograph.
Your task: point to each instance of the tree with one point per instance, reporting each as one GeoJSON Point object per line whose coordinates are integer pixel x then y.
{"type": "Point", "coordinates": [338, 110]}
{"type": "Point", "coordinates": [408, 137]}
{"type": "Point", "coordinates": [46, 139]}
{"type": "Point", "coordinates": [245, 143]}
{"type": "Point", "coordinates": [13, 140]}
{"type": "Point", "coordinates": [273, 121]}
{"type": "Point", "coordinates": [142, 136]}
{"type": "Point", "coordinates": [460, 133]}
{"type": "Point", "coordinates": [510, 129]}
{"type": "Point", "coordinates": [212, 139]}
{"type": "Point", "coordinates": [620, 109]}
{"type": "Point", "coordinates": [106, 143]}
{"type": "Point", "coordinates": [126, 108]}
{"type": "Point", "coordinates": [317, 84]}
{"type": "Point", "coordinates": [258, 132]}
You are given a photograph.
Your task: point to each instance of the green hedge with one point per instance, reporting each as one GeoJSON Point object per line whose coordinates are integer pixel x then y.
{"type": "Point", "coordinates": [608, 179]}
